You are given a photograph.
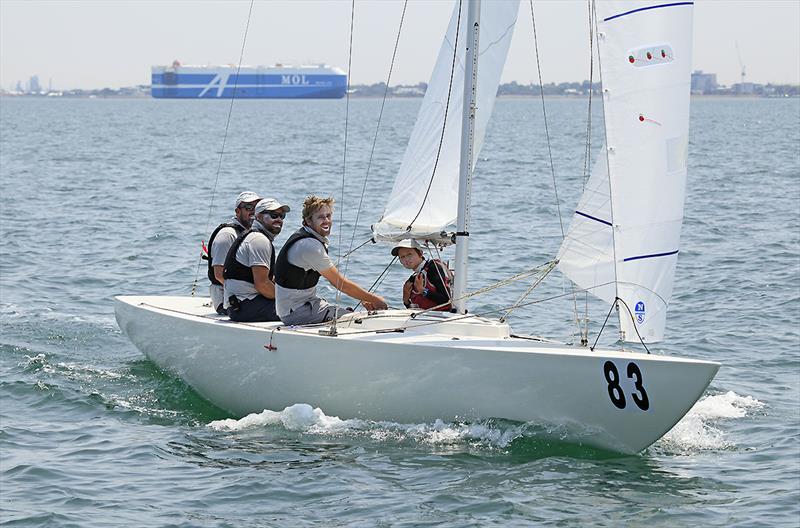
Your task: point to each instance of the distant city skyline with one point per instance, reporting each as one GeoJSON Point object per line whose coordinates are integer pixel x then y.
{"type": "Point", "coordinates": [92, 45]}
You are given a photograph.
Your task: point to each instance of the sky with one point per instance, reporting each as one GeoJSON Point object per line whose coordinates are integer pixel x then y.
{"type": "Point", "coordinates": [112, 43]}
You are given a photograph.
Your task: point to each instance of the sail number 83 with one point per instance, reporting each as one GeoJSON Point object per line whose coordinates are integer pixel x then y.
{"type": "Point", "coordinates": [615, 392]}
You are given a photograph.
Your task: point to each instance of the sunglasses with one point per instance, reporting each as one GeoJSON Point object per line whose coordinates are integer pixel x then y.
{"type": "Point", "coordinates": [275, 216]}
{"type": "Point", "coordinates": [247, 207]}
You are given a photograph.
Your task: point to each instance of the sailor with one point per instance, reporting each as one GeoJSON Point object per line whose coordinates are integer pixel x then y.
{"type": "Point", "coordinates": [301, 262]}
{"type": "Point", "coordinates": [249, 266]}
{"type": "Point", "coordinates": [429, 287]}
{"type": "Point", "coordinates": [221, 240]}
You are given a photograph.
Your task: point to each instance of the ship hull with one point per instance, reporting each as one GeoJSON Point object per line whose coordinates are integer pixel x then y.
{"type": "Point", "coordinates": [247, 83]}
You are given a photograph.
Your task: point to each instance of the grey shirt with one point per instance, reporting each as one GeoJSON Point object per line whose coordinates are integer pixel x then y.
{"type": "Point", "coordinates": [308, 253]}
{"type": "Point", "coordinates": [219, 250]}
{"type": "Point", "coordinates": [256, 250]}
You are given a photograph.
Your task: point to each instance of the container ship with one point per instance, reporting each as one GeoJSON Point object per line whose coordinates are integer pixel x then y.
{"type": "Point", "coordinates": [253, 82]}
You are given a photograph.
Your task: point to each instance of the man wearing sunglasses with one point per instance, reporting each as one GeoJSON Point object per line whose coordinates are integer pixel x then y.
{"type": "Point", "coordinates": [221, 241]}
{"type": "Point", "coordinates": [250, 264]}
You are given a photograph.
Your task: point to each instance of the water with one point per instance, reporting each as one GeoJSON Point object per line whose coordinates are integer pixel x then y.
{"type": "Point", "coordinates": [106, 197]}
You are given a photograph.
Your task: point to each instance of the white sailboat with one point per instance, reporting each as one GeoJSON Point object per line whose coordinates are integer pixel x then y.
{"type": "Point", "coordinates": [407, 366]}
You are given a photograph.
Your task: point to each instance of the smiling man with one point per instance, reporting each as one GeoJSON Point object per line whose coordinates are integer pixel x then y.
{"type": "Point", "coordinates": [250, 264]}
{"type": "Point", "coordinates": [301, 262]}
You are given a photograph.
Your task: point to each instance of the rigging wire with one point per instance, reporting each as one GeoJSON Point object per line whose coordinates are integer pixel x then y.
{"type": "Point", "coordinates": [344, 153]}
{"type": "Point", "coordinates": [378, 281]}
{"type": "Point", "coordinates": [374, 142]}
{"type": "Point", "coordinates": [546, 128]}
{"type": "Point", "coordinates": [439, 271]}
{"type": "Point", "coordinates": [615, 305]}
{"type": "Point", "coordinates": [587, 156]}
{"type": "Point", "coordinates": [444, 122]}
{"type": "Point", "coordinates": [538, 280]}
{"type": "Point", "coordinates": [224, 139]}
{"type": "Point", "coordinates": [552, 169]}
{"type": "Point", "coordinates": [593, 16]}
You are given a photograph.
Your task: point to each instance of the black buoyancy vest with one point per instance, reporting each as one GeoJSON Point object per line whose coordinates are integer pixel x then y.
{"type": "Point", "coordinates": [239, 230]}
{"type": "Point", "coordinates": [294, 277]}
{"type": "Point", "coordinates": [236, 270]}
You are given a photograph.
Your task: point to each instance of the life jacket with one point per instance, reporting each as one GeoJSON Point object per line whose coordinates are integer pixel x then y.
{"type": "Point", "coordinates": [444, 276]}
{"type": "Point", "coordinates": [294, 277]}
{"type": "Point", "coordinates": [239, 230]}
{"type": "Point", "coordinates": [236, 270]}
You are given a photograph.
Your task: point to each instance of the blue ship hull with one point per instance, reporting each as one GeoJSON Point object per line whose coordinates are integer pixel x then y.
{"type": "Point", "coordinates": [218, 83]}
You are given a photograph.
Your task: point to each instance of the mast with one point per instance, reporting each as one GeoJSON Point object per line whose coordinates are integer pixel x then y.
{"type": "Point", "coordinates": [465, 164]}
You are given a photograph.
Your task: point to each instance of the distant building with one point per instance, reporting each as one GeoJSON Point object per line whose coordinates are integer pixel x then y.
{"type": "Point", "coordinates": [34, 84]}
{"type": "Point", "coordinates": [745, 88]}
{"type": "Point", "coordinates": [703, 82]}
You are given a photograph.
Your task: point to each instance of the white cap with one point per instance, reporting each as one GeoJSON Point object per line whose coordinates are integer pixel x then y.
{"type": "Point", "coordinates": [270, 204]}
{"type": "Point", "coordinates": [409, 243]}
{"type": "Point", "coordinates": [246, 197]}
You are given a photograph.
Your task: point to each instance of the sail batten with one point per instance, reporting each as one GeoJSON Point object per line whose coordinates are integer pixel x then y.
{"type": "Point", "coordinates": [627, 225]}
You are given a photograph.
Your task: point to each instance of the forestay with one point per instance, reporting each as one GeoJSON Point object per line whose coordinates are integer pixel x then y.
{"type": "Point", "coordinates": [424, 198]}
{"type": "Point", "coordinates": [626, 229]}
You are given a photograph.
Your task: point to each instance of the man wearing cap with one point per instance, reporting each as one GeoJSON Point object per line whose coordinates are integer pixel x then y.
{"type": "Point", "coordinates": [303, 260]}
{"type": "Point", "coordinates": [429, 286]}
{"type": "Point", "coordinates": [250, 264]}
{"type": "Point", "coordinates": [221, 240]}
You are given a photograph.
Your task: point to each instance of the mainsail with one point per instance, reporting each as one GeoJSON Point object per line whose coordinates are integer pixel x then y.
{"type": "Point", "coordinates": [424, 198]}
{"type": "Point", "coordinates": [626, 229]}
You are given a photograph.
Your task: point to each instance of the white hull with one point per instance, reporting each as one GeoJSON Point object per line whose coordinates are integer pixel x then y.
{"type": "Point", "coordinates": [452, 369]}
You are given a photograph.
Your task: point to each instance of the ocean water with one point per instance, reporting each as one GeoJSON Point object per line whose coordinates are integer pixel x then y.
{"type": "Point", "coordinates": [106, 197]}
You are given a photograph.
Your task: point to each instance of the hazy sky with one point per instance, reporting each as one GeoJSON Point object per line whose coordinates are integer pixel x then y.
{"type": "Point", "coordinates": [113, 43]}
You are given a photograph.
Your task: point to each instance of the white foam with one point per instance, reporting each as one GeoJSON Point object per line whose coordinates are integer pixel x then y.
{"type": "Point", "coordinates": [698, 429]}
{"type": "Point", "coordinates": [302, 417]}
{"type": "Point", "coordinates": [297, 417]}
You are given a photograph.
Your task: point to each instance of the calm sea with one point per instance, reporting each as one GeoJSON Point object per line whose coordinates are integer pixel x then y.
{"type": "Point", "coordinates": [105, 197]}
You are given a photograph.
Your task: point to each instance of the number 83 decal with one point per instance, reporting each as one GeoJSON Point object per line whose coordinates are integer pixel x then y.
{"type": "Point", "coordinates": [615, 392]}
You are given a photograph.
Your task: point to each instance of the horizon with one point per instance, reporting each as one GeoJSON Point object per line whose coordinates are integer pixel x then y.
{"type": "Point", "coordinates": [86, 45]}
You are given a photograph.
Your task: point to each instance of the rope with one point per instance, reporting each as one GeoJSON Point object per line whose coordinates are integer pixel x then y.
{"type": "Point", "coordinates": [374, 141]}
{"type": "Point", "coordinates": [415, 315]}
{"type": "Point", "coordinates": [439, 271]}
{"type": "Point", "coordinates": [378, 280]}
{"type": "Point", "coordinates": [498, 284]}
{"type": "Point", "coordinates": [530, 289]}
{"type": "Point", "coordinates": [593, 16]}
{"type": "Point", "coordinates": [552, 164]}
{"type": "Point", "coordinates": [224, 140]}
{"type": "Point", "coordinates": [615, 305]}
{"type": "Point", "coordinates": [634, 324]}
{"type": "Point", "coordinates": [367, 241]}
{"type": "Point", "coordinates": [546, 128]}
{"type": "Point", "coordinates": [344, 154]}
{"type": "Point", "coordinates": [587, 159]}
{"type": "Point", "coordinates": [444, 122]}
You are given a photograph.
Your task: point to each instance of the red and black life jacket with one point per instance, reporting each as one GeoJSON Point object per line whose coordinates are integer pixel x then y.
{"type": "Point", "coordinates": [438, 286]}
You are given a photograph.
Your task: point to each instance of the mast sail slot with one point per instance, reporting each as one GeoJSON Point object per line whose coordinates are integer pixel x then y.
{"type": "Point", "coordinates": [640, 185]}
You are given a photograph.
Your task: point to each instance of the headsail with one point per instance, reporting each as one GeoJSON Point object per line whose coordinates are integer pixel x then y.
{"type": "Point", "coordinates": [425, 192]}
{"type": "Point", "coordinates": [645, 61]}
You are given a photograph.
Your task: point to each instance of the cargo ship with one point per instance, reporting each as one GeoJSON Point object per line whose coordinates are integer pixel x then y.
{"type": "Point", "coordinates": [252, 82]}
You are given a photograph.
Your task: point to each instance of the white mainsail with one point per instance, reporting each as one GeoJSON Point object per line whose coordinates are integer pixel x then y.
{"type": "Point", "coordinates": [425, 193]}
{"type": "Point", "coordinates": [633, 238]}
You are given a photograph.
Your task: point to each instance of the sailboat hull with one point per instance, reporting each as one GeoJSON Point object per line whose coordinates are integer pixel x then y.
{"type": "Point", "coordinates": [445, 369]}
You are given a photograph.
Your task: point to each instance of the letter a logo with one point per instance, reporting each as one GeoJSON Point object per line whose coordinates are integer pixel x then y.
{"type": "Point", "coordinates": [220, 81]}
